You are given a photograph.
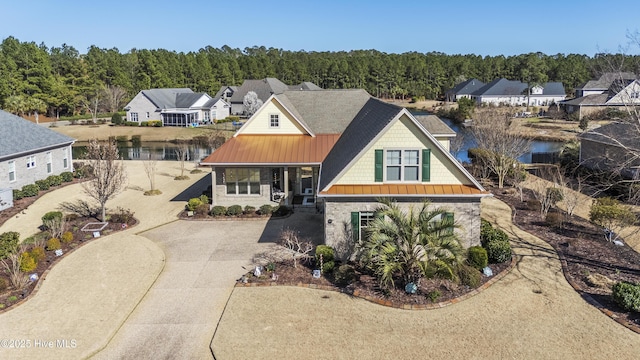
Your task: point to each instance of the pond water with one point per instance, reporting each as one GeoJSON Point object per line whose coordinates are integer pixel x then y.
{"type": "Point", "coordinates": [145, 150]}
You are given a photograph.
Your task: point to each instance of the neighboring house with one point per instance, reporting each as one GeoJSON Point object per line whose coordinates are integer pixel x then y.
{"type": "Point", "coordinates": [340, 151]}
{"type": "Point", "coordinates": [464, 89]}
{"type": "Point", "coordinates": [226, 92]}
{"type": "Point", "coordinates": [176, 107]}
{"type": "Point", "coordinates": [602, 84]}
{"type": "Point", "coordinates": [514, 93]}
{"type": "Point", "coordinates": [620, 94]}
{"type": "Point", "coordinates": [30, 152]}
{"type": "Point", "coordinates": [613, 147]}
{"type": "Point", "coordinates": [263, 88]}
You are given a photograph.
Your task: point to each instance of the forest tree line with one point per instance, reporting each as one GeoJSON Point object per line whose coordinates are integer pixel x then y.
{"type": "Point", "coordinates": [63, 81]}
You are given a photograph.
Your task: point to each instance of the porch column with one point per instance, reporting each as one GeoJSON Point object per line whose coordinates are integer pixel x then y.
{"type": "Point", "coordinates": [286, 185]}
{"type": "Point", "coordinates": [213, 185]}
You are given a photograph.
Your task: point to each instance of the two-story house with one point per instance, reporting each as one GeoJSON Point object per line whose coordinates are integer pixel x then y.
{"type": "Point", "coordinates": [341, 150]}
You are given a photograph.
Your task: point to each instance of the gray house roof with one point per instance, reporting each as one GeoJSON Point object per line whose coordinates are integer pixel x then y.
{"type": "Point", "coordinates": [211, 102]}
{"type": "Point", "coordinates": [616, 133]}
{"type": "Point", "coordinates": [325, 111]}
{"type": "Point", "coordinates": [466, 87]}
{"type": "Point", "coordinates": [513, 87]}
{"type": "Point", "coordinates": [224, 88]}
{"type": "Point", "coordinates": [374, 116]}
{"type": "Point", "coordinates": [20, 136]}
{"type": "Point", "coordinates": [264, 88]}
{"type": "Point", "coordinates": [553, 88]}
{"type": "Point", "coordinates": [306, 85]}
{"type": "Point", "coordinates": [165, 98]}
{"type": "Point", "coordinates": [605, 80]}
{"type": "Point", "coordinates": [434, 125]}
{"type": "Point", "coordinates": [593, 100]}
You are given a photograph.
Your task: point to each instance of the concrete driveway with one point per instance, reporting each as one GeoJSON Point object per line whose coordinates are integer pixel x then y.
{"type": "Point", "coordinates": [178, 316]}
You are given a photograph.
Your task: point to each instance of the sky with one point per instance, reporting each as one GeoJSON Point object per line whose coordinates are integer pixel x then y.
{"type": "Point", "coordinates": [487, 27]}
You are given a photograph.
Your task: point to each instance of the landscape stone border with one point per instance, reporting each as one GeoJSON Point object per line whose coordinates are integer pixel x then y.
{"type": "Point", "coordinates": [390, 303]}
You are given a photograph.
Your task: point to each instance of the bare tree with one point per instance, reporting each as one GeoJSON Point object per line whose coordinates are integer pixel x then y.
{"type": "Point", "coordinates": [548, 195]}
{"type": "Point", "coordinates": [300, 249]}
{"type": "Point", "coordinates": [113, 97]}
{"type": "Point", "coordinates": [150, 168]}
{"type": "Point", "coordinates": [572, 195]}
{"type": "Point", "coordinates": [251, 103]}
{"type": "Point", "coordinates": [91, 103]}
{"type": "Point", "coordinates": [109, 177]}
{"type": "Point", "coordinates": [504, 147]}
{"type": "Point", "coordinates": [182, 153]}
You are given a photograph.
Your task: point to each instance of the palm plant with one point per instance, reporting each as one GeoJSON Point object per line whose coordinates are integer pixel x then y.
{"type": "Point", "coordinates": [410, 245]}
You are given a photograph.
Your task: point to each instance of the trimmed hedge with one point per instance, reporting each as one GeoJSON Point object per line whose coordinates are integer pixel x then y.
{"type": "Point", "coordinates": [496, 242]}
{"type": "Point", "coordinates": [266, 209]}
{"type": "Point", "coordinates": [42, 185]}
{"type": "Point", "coordinates": [30, 190]}
{"type": "Point", "coordinates": [218, 210]}
{"type": "Point", "coordinates": [67, 176]}
{"type": "Point", "coordinates": [477, 257]}
{"type": "Point", "coordinates": [234, 210]}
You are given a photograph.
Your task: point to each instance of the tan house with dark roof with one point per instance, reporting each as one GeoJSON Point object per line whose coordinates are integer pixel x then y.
{"type": "Point", "coordinates": [341, 150]}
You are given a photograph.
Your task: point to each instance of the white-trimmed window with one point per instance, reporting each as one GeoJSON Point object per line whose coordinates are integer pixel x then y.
{"type": "Point", "coordinates": [49, 163]}
{"type": "Point", "coordinates": [274, 120]}
{"type": "Point", "coordinates": [242, 181]}
{"type": "Point", "coordinates": [31, 162]}
{"type": "Point", "coordinates": [12, 171]}
{"type": "Point", "coordinates": [133, 116]}
{"type": "Point", "coordinates": [402, 165]}
{"type": "Point", "coordinates": [206, 116]}
{"type": "Point", "coordinates": [65, 158]}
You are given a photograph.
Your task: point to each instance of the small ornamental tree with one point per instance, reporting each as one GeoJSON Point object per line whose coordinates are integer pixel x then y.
{"type": "Point", "coordinates": [612, 216]}
{"type": "Point", "coordinates": [109, 177]}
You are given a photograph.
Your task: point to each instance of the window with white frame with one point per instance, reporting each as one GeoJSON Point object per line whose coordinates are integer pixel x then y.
{"type": "Point", "coordinates": [133, 116]}
{"type": "Point", "coordinates": [31, 161]}
{"type": "Point", "coordinates": [206, 116]}
{"type": "Point", "coordinates": [274, 120]}
{"type": "Point", "coordinates": [49, 163]}
{"type": "Point", "coordinates": [402, 165]}
{"type": "Point", "coordinates": [242, 181]}
{"type": "Point", "coordinates": [65, 159]}
{"type": "Point", "coordinates": [12, 171]}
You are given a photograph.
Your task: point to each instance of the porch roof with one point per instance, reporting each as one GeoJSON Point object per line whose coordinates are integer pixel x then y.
{"type": "Point", "coordinates": [273, 150]}
{"type": "Point", "coordinates": [403, 190]}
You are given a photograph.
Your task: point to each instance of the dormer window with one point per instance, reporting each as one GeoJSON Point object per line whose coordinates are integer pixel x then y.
{"type": "Point", "coordinates": [274, 121]}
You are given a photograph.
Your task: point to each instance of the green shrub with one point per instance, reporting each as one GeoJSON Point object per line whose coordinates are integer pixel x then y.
{"type": "Point", "coordinates": [234, 210]}
{"type": "Point", "coordinates": [66, 237]}
{"type": "Point", "coordinates": [498, 251]}
{"type": "Point", "coordinates": [266, 210]}
{"type": "Point", "coordinates": [30, 190]}
{"type": "Point", "coordinates": [151, 123]}
{"type": "Point", "coordinates": [8, 243]}
{"type": "Point", "coordinates": [204, 199]}
{"type": "Point", "coordinates": [17, 194]}
{"type": "Point", "coordinates": [469, 276]}
{"type": "Point", "coordinates": [434, 295]}
{"type": "Point", "coordinates": [27, 262]}
{"type": "Point", "coordinates": [627, 295]}
{"type": "Point", "coordinates": [43, 185]}
{"type": "Point", "coordinates": [52, 216]}
{"type": "Point", "coordinates": [327, 252]}
{"type": "Point", "coordinates": [67, 176]}
{"type": "Point", "coordinates": [477, 257]}
{"type": "Point", "coordinates": [131, 123]}
{"type": "Point", "coordinates": [328, 266]}
{"type": "Point", "coordinates": [344, 275]}
{"type": "Point", "coordinates": [37, 253]}
{"type": "Point", "coordinates": [489, 234]}
{"type": "Point", "coordinates": [53, 244]}
{"type": "Point", "coordinates": [116, 119]}
{"type": "Point", "coordinates": [218, 210]}
{"type": "Point", "coordinates": [54, 180]}
{"type": "Point", "coordinates": [193, 204]}
{"type": "Point", "coordinates": [249, 210]}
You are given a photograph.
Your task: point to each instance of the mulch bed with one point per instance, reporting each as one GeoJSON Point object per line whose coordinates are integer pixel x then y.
{"type": "Point", "coordinates": [592, 264]}
{"type": "Point", "coordinates": [10, 297]}
{"type": "Point", "coordinates": [366, 286]}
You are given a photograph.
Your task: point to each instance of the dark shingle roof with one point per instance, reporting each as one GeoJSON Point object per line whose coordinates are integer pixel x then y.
{"type": "Point", "coordinates": [374, 116]}
{"type": "Point", "coordinates": [434, 125]}
{"type": "Point", "coordinates": [165, 98]}
{"type": "Point", "coordinates": [617, 134]}
{"type": "Point", "coordinates": [223, 88]}
{"type": "Point", "coordinates": [553, 88]}
{"type": "Point", "coordinates": [211, 102]}
{"type": "Point", "coordinates": [502, 87]}
{"type": "Point", "coordinates": [305, 86]}
{"type": "Point", "coordinates": [264, 88]}
{"type": "Point", "coordinates": [593, 99]}
{"type": "Point", "coordinates": [325, 111]}
{"type": "Point", "coordinates": [21, 136]}
{"type": "Point", "coordinates": [467, 87]}
{"type": "Point", "coordinates": [605, 80]}
{"type": "Point", "coordinates": [186, 100]}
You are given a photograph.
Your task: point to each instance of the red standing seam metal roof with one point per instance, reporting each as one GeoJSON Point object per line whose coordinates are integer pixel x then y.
{"type": "Point", "coordinates": [403, 189]}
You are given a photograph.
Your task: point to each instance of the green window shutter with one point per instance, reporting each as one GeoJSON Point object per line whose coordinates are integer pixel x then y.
{"type": "Point", "coordinates": [426, 164]}
{"type": "Point", "coordinates": [448, 217]}
{"type": "Point", "coordinates": [379, 157]}
{"type": "Point", "coordinates": [355, 225]}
